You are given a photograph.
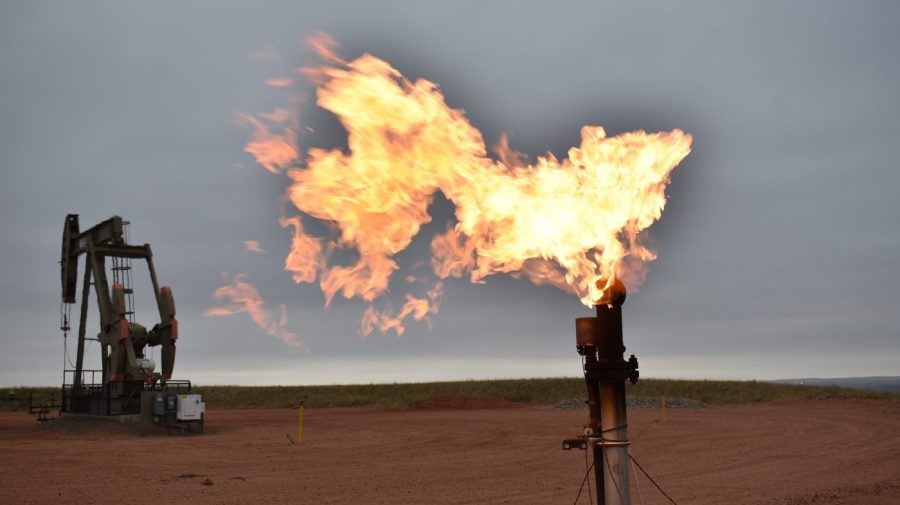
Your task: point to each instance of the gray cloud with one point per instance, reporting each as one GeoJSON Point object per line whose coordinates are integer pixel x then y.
{"type": "Point", "coordinates": [778, 250]}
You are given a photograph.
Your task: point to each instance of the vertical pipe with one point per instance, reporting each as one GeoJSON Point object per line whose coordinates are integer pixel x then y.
{"type": "Point", "coordinates": [663, 407]}
{"type": "Point", "coordinates": [599, 471]}
{"type": "Point", "coordinates": [616, 458]}
{"type": "Point", "coordinates": [300, 428]}
{"type": "Point", "coordinates": [594, 409]}
{"type": "Point", "coordinates": [614, 423]}
{"type": "Point", "coordinates": [599, 340]}
{"type": "Point", "coordinates": [104, 366]}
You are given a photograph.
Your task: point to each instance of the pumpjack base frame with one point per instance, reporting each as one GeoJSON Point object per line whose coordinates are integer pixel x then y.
{"type": "Point", "coordinates": [99, 399]}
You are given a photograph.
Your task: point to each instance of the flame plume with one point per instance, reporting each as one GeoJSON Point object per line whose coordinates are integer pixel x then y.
{"type": "Point", "coordinates": [239, 295]}
{"type": "Point", "coordinates": [574, 223]}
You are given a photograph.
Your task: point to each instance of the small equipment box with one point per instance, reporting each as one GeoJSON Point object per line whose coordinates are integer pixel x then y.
{"type": "Point", "coordinates": [190, 408]}
{"type": "Point", "coordinates": [173, 411]}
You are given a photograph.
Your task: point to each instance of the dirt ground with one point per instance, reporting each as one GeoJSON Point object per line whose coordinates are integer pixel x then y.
{"type": "Point", "coordinates": [816, 452]}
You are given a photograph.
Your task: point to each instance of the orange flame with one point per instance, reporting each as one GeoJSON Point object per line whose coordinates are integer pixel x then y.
{"type": "Point", "coordinates": [253, 246]}
{"type": "Point", "coordinates": [274, 139]}
{"type": "Point", "coordinates": [306, 257]}
{"type": "Point", "coordinates": [280, 82]}
{"type": "Point", "coordinates": [241, 296]}
{"type": "Point", "coordinates": [574, 223]}
{"type": "Point", "coordinates": [417, 308]}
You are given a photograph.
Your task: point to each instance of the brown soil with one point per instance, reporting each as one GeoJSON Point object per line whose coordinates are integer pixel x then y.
{"type": "Point", "coordinates": [464, 402]}
{"type": "Point", "coordinates": [817, 452]}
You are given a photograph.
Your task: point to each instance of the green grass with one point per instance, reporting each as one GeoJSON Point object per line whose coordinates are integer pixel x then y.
{"type": "Point", "coordinates": [526, 391]}
{"type": "Point", "coordinates": [533, 391]}
{"type": "Point", "coordinates": [40, 395]}
{"type": "Point", "coordinates": [733, 392]}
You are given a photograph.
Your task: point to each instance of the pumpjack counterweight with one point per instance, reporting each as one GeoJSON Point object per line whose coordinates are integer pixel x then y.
{"type": "Point", "coordinates": [128, 370]}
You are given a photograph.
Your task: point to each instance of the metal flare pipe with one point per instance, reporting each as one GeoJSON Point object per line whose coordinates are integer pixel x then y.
{"type": "Point", "coordinates": [599, 341]}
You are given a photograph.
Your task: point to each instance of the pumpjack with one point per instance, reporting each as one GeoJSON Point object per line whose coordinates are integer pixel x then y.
{"type": "Point", "coordinates": [127, 384]}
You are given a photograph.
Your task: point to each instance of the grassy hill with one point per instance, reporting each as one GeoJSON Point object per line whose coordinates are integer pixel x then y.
{"type": "Point", "coordinates": [887, 384]}
{"type": "Point", "coordinates": [525, 391]}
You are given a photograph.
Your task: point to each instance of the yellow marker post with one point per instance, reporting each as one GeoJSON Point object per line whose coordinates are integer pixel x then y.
{"type": "Point", "coordinates": [300, 429]}
{"type": "Point", "coordinates": [663, 407]}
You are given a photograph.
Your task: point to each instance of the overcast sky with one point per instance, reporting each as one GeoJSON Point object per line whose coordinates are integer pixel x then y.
{"type": "Point", "coordinates": [779, 251]}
